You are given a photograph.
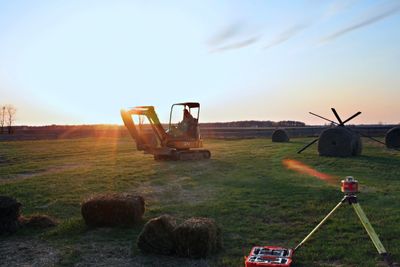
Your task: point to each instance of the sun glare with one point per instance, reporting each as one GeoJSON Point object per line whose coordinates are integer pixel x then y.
{"type": "Point", "coordinates": [302, 168]}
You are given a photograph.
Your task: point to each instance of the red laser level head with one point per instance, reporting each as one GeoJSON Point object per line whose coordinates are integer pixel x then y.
{"type": "Point", "coordinates": [349, 185]}
{"type": "Point", "coordinates": [269, 256]}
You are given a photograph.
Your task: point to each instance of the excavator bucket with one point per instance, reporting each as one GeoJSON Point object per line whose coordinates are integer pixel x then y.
{"type": "Point", "coordinates": [143, 141]}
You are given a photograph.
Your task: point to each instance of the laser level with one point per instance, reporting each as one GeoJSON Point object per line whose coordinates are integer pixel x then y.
{"type": "Point", "coordinates": [349, 185]}
{"type": "Point", "coordinates": [269, 256]}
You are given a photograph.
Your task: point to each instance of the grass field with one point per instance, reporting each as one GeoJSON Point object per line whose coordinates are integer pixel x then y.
{"type": "Point", "coordinates": [244, 187]}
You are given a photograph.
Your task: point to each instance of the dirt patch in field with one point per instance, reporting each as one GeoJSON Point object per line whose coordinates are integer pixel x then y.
{"type": "Point", "coordinates": [105, 254]}
{"type": "Point", "coordinates": [52, 170]}
{"type": "Point", "coordinates": [102, 254]}
{"type": "Point", "coordinates": [178, 189]}
{"type": "Point", "coordinates": [33, 252]}
{"type": "Point", "coordinates": [27, 252]}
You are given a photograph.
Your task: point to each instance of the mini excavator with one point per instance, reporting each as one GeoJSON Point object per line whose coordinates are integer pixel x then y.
{"type": "Point", "coordinates": [181, 141]}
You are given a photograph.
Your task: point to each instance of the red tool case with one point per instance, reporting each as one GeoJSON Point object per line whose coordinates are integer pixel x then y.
{"type": "Point", "coordinates": [269, 256]}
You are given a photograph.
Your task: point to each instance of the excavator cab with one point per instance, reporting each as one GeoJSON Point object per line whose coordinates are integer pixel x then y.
{"type": "Point", "coordinates": [181, 141]}
{"type": "Point", "coordinates": [184, 121]}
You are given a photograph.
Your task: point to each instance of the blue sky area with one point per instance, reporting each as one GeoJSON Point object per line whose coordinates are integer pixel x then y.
{"type": "Point", "coordinates": [73, 62]}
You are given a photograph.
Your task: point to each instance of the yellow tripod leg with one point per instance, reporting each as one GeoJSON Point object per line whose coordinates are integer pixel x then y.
{"type": "Point", "coordinates": [321, 223]}
{"type": "Point", "coordinates": [368, 227]}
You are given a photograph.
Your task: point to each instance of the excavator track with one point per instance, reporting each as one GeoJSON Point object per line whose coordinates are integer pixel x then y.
{"type": "Point", "coordinates": [185, 155]}
{"type": "Point", "coordinates": [192, 154]}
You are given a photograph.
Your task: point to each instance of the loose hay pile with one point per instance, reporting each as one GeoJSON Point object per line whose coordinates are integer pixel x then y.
{"type": "Point", "coordinates": [197, 238]}
{"type": "Point", "coordinates": [157, 236]}
{"type": "Point", "coordinates": [38, 221]}
{"type": "Point", "coordinates": [392, 138]}
{"type": "Point", "coordinates": [9, 214]}
{"type": "Point", "coordinates": [280, 135]}
{"type": "Point", "coordinates": [339, 142]}
{"type": "Point", "coordinates": [11, 219]}
{"type": "Point", "coordinates": [113, 210]}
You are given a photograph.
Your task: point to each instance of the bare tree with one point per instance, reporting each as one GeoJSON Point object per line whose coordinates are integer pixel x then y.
{"type": "Point", "coordinates": [11, 111]}
{"type": "Point", "coordinates": [2, 118]}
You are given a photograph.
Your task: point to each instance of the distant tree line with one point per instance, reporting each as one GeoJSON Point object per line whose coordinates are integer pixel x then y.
{"type": "Point", "coordinates": [255, 124]}
{"type": "Point", "coordinates": [7, 118]}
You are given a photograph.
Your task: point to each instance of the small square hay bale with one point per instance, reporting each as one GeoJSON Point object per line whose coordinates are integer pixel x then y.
{"type": "Point", "coordinates": [10, 210]}
{"type": "Point", "coordinates": [115, 209]}
{"type": "Point", "coordinates": [198, 238]}
{"type": "Point", "coordinates": [157, 236]}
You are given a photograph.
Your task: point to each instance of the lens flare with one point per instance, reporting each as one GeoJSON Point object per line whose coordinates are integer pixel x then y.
{"type": "Point", "coordinates": [302, 168]}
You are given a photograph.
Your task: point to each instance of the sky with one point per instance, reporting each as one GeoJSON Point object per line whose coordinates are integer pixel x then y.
{"type": "Point", "coordinates": [80, 62]}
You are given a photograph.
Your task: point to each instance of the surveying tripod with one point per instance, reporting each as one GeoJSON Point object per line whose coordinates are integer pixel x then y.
{"type": "Point", "coordinates": [351, 198]}
{"type": "Point", "coordinates": [271, 256]}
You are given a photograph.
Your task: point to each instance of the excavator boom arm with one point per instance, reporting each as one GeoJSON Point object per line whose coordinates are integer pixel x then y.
{"type": "Point", "coordinates": [152, 117]}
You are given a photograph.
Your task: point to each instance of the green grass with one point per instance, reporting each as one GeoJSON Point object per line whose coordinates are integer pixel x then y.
{"type": "Point", "coordinates": [244, 187]}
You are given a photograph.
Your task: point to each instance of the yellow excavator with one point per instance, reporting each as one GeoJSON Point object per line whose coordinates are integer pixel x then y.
{"type": "Point", "coordinates": [182, 141]}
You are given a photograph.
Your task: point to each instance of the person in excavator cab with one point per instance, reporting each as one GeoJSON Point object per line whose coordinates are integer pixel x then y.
{"type": "Point", "coordinates": [188, 123]}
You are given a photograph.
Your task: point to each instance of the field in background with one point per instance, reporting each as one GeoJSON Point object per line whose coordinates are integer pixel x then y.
{"type": "Point", "coordinates": [86, 131]}
{"type": "Point", "coordinates": [244, 187]}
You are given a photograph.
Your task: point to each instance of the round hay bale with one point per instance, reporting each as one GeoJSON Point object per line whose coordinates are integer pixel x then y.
{"type": "Point", "coordinates": [10, 210]}
{"type": "Point", "coordinates": [339, 142]}
{"type": "Point", "coordinates": [157, 236]}
{"type": "Point", "coordinates": [38, 221]}
{"type": "Point", "coordinates": [392, 138]}
{"type": "Point", "coordinates": [197, 238]}
{"type": "Point", "coordinates": [113, 210]}
{"type": "Point", "coordinates": [280, 135]}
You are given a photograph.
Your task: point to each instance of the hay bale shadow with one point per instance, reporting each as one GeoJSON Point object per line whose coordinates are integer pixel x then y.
{"type": "Point", "coordinates": [108, 210]}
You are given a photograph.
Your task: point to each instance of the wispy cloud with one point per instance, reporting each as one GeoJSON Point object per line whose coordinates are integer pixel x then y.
{"type": "Point", "coordinates": [378, 14]}
{"type": "Point", "coordinates": [226, 34]}
{"type": "Point", "coordinates": [286, 35]}
{"type": "Point", "coordinates": [237, 45]}
{"type": "Point", "coordinates": [337, 7]}
{"type": "Point", "coordinates": [231, 37]}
